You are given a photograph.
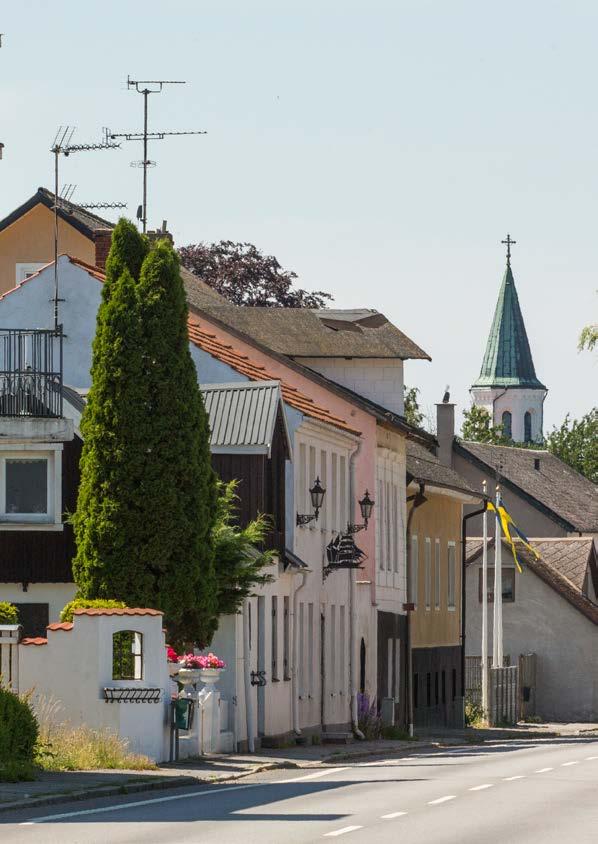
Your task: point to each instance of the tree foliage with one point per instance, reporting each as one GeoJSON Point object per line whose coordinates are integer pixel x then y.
{"type": "Point", "coordinates": [18, 735]}
{"type": "Point", "coordinates": [245, 276]}
{"type": "Point", "coordinates": [588, 338]}
{"type": "Point", "coordinates": [576, 443]}
{"type": "Point", "coordinates": [478, 428]}
{"type": "Point", "coordinates": [146, 501]}
{"type": "Point", "coordinates": [9, 614]}
{"type": "Point", "coordinates": [412, 411]}
{"type": "Point", "coordinates": [240, 564]}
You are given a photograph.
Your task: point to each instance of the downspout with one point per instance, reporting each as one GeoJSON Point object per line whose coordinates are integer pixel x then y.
{"type": "Point", "coordinates": [294, 689]}
{"type": "Point", "coordinates": [418, 499]}
{"type": "Point", "coordinates": [247, 678]}
{"type": "Point", "coordinates": [352, 609]}
{"type": "Point", "coordinates": [463, 587]}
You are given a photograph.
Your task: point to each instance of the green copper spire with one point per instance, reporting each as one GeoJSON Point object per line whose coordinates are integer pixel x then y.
{"type": "Point", "coordinates": [508, 360]}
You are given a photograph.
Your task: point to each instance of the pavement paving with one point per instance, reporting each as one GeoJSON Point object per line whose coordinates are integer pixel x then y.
{"type": "Point", "coordinates": [525, 791]}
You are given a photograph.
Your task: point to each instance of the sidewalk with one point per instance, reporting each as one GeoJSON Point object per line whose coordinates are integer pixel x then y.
{"type": "Point", "coordinates": [78, 785]}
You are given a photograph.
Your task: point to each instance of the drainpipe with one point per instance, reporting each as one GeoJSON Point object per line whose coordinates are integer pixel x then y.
{"type": "Point", "coordinates": [294, 685]}
{"type": "Point", "coordinates": [463, 585]}
{"type": "Point", "coordinates": [247, 678]}
{"type": "Point", "coordinates": [352, 609]}
{"type": "Point", "coordinates": [418, 499]}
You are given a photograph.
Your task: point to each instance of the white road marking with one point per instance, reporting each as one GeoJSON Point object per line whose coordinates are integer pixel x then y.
{"type": "Point", "coordinates": [341, 831]}
{"type": "Point", "coordinates": [591, 758]}
{"type": "Point", "coordinates": [568, 764]}
{"type": "Point", "coordinates": [516, 777]}
{"type": "Point", "coordinates": [122, 806]}
{"type": "Point", "coordinates": [315, 776]}
{"type": "Point", "coordinates": [392, 815]}
{"type": "Point", "coordinates": [543, 770]}
{"type": "Point", "coordinates": [441, 800]}
{"type": "Point", "coordinates": [482, 787]}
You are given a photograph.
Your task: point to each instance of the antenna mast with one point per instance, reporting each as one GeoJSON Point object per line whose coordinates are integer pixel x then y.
{"type": "Point", "coordinates": [62, 146]}
{"type": "Point", "coordinates": [147, 87]}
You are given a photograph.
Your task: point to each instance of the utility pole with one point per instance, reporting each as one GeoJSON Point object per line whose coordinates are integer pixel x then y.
{"type": "Point", "coordinates": [147, 87]}
{"type": "Point", "coordinates": [62, 146]}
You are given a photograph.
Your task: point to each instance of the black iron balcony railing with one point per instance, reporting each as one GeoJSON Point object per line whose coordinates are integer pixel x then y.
{"type": "Point", "coordinates": [30, 372]}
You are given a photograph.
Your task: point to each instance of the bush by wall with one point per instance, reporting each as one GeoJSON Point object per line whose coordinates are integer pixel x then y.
{"type": "Point", "coordinates": [9, 614]}
{"type": "Point", "coordinates": [86, 604]}
{"type": "Point", "coordinates": [18, 736]}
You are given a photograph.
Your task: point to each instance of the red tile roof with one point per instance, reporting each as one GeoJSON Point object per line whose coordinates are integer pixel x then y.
{"type": "Point", "coordinates": [38, 640]}
{"type": "Point", "coordinates": [60, 625]}
{"type": "Point", "coordinates": [117, 611]}
{"type": "Point", "coordinates": [243, 364]}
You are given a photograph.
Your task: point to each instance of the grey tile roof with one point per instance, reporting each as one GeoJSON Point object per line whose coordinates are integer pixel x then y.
{"type": "Point", "coordinates": [300, 332]}
{"type": "Point", "coordinates": [83, 220]}
{"type": "Point", "coordinates": [560, 560]}
{"type": "Point", "coordinates": [423, 465]}
{"type": "Point", "coordinates": [242, 416]}
{"type": "Point", "coordinates": [555, 485]}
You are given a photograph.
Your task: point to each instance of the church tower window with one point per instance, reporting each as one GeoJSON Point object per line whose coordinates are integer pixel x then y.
{"type": "Point", "coordinates": [527, 427]}
{"type": "Point", "coordinates": [507, 425]}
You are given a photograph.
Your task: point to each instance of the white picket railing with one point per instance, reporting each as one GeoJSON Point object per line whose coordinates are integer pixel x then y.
{"type": "Point", "coordinates": [10, 635]}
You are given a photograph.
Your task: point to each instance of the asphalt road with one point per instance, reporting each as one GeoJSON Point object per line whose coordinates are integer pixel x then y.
{"type": "Point", "coordinates": [520, 792]}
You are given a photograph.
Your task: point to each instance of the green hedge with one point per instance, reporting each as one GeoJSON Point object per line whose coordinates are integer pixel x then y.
{"type": "Point", "coordinates": [18, 737]}
{"type": "Point", "coordinates": [86, 604]}
{"type": "Point", "coordinates": [9, 614]}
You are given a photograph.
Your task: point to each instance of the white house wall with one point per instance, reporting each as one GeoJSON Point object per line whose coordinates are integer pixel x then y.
{"type": "Point", "coordinates": [377, 379]}
{"type": "Point", "coordinates": [56, 595]}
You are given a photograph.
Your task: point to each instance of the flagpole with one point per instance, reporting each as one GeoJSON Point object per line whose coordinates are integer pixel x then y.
{"type": "Point", "coordinates": [497, 649]}
{"type": "Point", "coordinates": [485, 608]}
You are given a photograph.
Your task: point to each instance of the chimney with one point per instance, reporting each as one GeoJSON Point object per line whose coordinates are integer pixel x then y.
{"type": "Point", "coordinates": [445, 431]}
{"type": "Point", "coordinates": [160, 234]}
{"type": "Point", "coordinates": [102, 239]}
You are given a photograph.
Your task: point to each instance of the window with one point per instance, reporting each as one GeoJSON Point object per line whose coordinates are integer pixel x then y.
{"type": "Point", "coordinates": [302, 494]}
{"type": "Point", "coordinates": [451, 576]}
{"type": "Point", "coordinates": [274, 638]}
{"type": "Point", "coordinates": [310, 648]}
{"type": "Point", "coordinates": [127, 655]}
{"type": "Point", "coordinates": [413, 584]}
{"type": "Point", "coordinates": [507, 424]}
{"type": "Point", "coordinates": [342, 486]}
{"type": "Point", "coordinates": [388, 526]}
{"type": "Point", "coordinates": [34, 618]}
{"type": "Point", "coordinates": [341, 636]}
{"type": "Point", "coordinates": [428, 572]}
{"type": "Point", "coordinates": [26, 268]}
{"type": "Point", "coordinates": [527, 427]}
{"type": "Point", "coordinates": [301, 650]}
{"type": "Point", "coordinates": [437, 574]}
{"type": "Point", "coordinates": [285, 639]}
{"type": "Point", "coordinates": [324, 482]}
{"type": "Point", "coordinates": [508, 585]}
{"type": "Point", "coordinates": [28, 492]}
{"type": "Point", "coordinates": [380, 527]}
{"type": "Point", "coordinates": [395, 527]}
{"type": "Point", "coordinates": [334, 520]}
{"type": "Point", "coordinates": [310, 481]}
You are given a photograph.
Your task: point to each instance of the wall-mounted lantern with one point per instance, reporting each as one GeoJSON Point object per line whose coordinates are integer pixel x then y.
{"type": "Point", "coordinates": [366, 505]}
{"type": "Point", "coordinates": [316, 493]}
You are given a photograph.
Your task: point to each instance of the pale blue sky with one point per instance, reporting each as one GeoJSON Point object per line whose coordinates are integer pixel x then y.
{"type": "Point", "coordinates": [382, 150]}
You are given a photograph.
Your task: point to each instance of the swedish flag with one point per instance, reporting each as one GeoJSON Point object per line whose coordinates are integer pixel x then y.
{"type": "Point", "coordinates": [509, 528]}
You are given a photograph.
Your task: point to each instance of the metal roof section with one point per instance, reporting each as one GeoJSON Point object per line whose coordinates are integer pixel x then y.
{"type": "Point", "coordinates": [508, 359]}
{"type": "Point", "coordinates": [242, 416]}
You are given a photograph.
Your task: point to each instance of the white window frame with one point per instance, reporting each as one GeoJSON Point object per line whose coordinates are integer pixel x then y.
{"type": "Point", "coordinates": [437, 578]}
{"type": "Point", "coordinates": [26, 268]}
{"type": "Point", "coordinates": [451, 580]}
{"type": "Point", "coordinates": [52, 519]}
{"type": "Point", "coordinates": [428, 573]}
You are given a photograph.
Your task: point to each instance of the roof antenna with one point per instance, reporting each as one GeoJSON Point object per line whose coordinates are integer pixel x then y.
{"type": "Point", "coordinates": [62, 146]}
{"type": "Point", "coordinates": [146, 87]}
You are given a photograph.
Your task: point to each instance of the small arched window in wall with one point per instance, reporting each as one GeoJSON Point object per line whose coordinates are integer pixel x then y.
{"type": "Point", "coordinates": [506, 424]}
{"type": "Point", "coordinates": [127, 655]}
{"type": "Point", "coordinates": [527, 427]}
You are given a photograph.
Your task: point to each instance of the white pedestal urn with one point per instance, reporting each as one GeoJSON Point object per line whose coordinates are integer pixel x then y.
{"type": "Point", "coordinates": [208, 701]}
{"type": "Point", "coordinates": [210, 677]}
{"type": "Point", "coordinates": [188, 677]}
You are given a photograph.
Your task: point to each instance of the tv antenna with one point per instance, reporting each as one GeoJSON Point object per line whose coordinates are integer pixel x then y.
{"type": "Point", "coordinates": [62, 146]}
{"type": "Point", "coordinates": [147, 87]}
{"type": "Point", "coordinates": [92, 205]}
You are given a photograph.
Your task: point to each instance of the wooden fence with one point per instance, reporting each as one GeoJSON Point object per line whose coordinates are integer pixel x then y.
{"type": "Point", "coordinates": [9, 655]}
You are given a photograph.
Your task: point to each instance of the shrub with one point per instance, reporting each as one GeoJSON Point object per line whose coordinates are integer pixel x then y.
{"type": "Point", "coordinates": [86, 604]}
{"type": "Point", "coordinates": [368, 720]}
{"type": "Point", "coordinates": [395, 733]}
{"type": "Point", "coordinates": [18, 735]}
{"type": "Point", "coordinates": [474, 714]}
{"type": "Point", "coordinates": [9, 614]}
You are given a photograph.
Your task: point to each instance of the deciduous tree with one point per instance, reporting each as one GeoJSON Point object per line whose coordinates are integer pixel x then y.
{"type": "Point", "coordinates": [478, 428]}
{"type": "Point", "coordinates": [576, 442]}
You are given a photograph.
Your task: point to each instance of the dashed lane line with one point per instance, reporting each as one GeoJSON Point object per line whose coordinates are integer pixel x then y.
{"type": "Point", "coordinates": [591, 758]}
{"type": "Point", "coordinates": [315, 776]}
{"type": "Point", "coordinates": [482, 787]}
{"type": "Point", "coordinates": [392, 815]}
{"type": "Point", "coordinates": [568, 764]}
{"type": "Point", "coordinates": [439, 800]}
{"type": "Point", "coordinates": [543, 770]}
{"type": "Point", "coordinates": [516, 777]}
{"type": "Point", "coordinates": [342, 831]}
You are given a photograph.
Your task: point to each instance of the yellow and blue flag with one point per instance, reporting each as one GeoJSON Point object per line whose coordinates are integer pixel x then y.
{"type": "Point", "coordinates": [509, 525]}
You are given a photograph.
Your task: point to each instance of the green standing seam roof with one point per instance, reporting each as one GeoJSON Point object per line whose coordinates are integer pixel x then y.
{"type": "Point", "coordinates": [508, 359]}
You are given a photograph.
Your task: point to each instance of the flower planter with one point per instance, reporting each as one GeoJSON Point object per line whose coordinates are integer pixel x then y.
{"type": "Point", "coordinates": [210, 676]}
{"type": "Point", "coordinates": [173, 669]}
{"type": "Point", "coordinates": [188, 677]}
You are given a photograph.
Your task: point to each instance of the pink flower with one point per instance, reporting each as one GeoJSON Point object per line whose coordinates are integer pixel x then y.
{"type": "Point", "coordinates": [209, 661]}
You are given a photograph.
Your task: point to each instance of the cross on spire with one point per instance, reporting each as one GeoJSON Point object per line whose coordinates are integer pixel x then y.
{"type": "Point", "coordinates": [508, 243]}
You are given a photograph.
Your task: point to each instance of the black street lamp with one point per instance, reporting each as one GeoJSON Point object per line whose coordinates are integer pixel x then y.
{"type": "Point", "coordinates": [366, 505]}
{"type": "Point", "coordinates": [316, 493]}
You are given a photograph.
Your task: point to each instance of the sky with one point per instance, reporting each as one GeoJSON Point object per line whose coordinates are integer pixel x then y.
{"type": "Point", "coordinates": [381, 150]}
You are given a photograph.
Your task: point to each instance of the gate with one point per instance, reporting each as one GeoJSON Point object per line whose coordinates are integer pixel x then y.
{"type": "Point", "coordinates": [9, 655]}
{"type": "Point", "coordinates": [504, 695]}
{"type": "Point", "coordinates": [527, 685]}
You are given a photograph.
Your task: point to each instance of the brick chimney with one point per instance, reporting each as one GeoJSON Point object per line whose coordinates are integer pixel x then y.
{"type": "Point", "coordinates": [160, 234]}
{"type": "Point", "coordinates": [102, 239]}
{"type": "Point", "coordinates": [445, 431]}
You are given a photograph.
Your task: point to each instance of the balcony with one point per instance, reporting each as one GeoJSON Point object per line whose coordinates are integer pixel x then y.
{"type": "Point", "coordinates": [31, 373]}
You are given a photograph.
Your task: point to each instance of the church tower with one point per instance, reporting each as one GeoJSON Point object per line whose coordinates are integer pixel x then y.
{"type": "Point", "coordinates": [507, 385]}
